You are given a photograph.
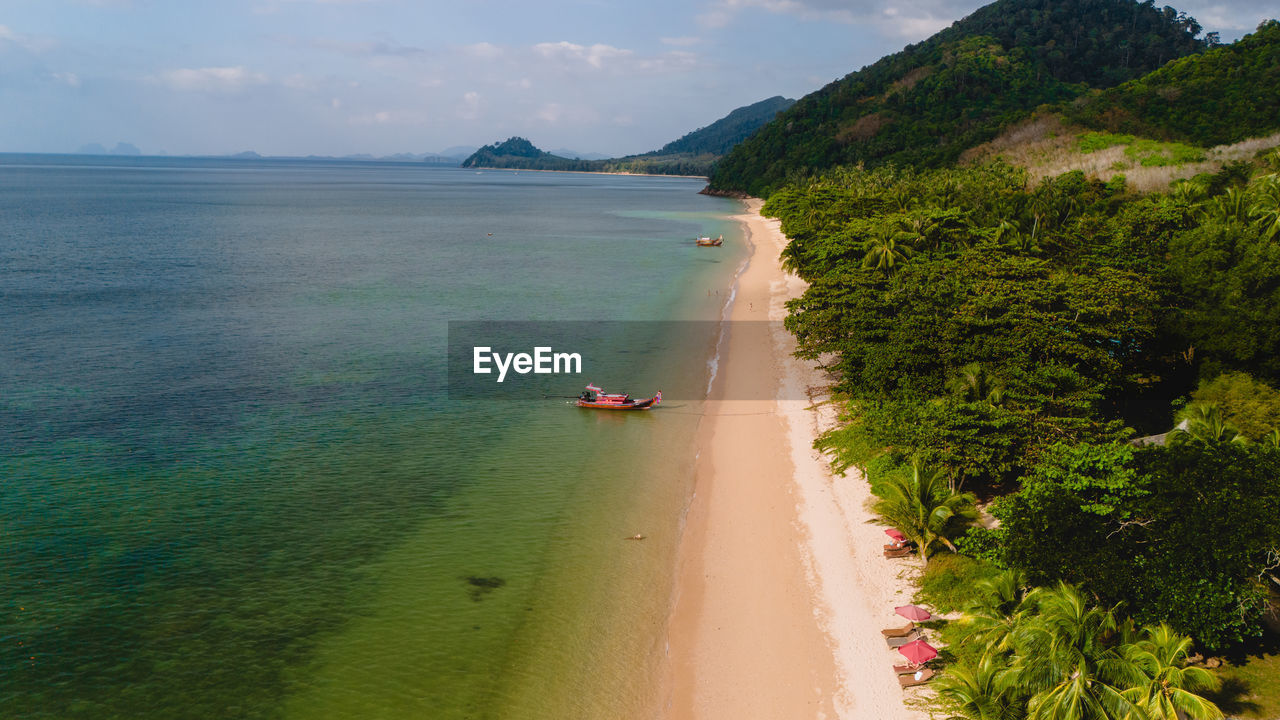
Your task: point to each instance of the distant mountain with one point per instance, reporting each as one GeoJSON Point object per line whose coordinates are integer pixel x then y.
{"type": "Point", "coordinates": [122, 148]}
{"type": "Point", "coordinates": [458, 151]}
{"type": "Point", "coordinates": [520, 154]}
{"type": "Point", "coordinates": [693, 154]}
{"type": "Point", "coordinates": [575, 155]}
{"type": "Point", "coordinates": [719, 137]}
{"type": "Point", "coordinates": [931, 101]}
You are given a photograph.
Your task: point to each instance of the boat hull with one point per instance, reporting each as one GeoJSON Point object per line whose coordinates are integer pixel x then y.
{"type": "Point", "coordinates": [638, 405]}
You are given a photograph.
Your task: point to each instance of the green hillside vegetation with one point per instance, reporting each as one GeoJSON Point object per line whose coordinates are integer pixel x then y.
{"type": "Point", "coordinates": [926, 104]}
{"type": "Point", "coordinates": [719, 137]}
{"type": "Point", "coordinates": [1223, 96]}
{"type": "Point", "coordinates": [1001, 343]}
{"type": "Point", "coordinates": [520, 154]}
{"type": "Point", "coordinates": [1009, 339]}
{"type": "Point", "coordinates": [693, 154]}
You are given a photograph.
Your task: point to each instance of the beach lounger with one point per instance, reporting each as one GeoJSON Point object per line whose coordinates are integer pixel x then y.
{"type": "Point", "coordinates": [907, 681]}
{"type": "Point", "coordinates": [899, 546]}
{"type": "Point", "coordinates": [906, 669]}
{"type": "Point", "coordinates": [898, 632]}
{"type": "Point", "coordinates": [900, 552]}
{"type": "Point", "coordinates": [901, 640]}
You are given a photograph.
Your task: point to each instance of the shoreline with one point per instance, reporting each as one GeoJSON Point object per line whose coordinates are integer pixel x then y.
{"type": "Point", "coordinates": [587, 172]}
{"type": "Point", "coordinates": [780, 589]}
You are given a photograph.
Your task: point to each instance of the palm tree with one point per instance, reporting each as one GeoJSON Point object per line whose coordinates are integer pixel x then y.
{"type": "Point", "coordinates": [1230, 205]}
{"type": "Point", "coordinates": [979, 692]}
{"type": "Point", "coordinates": [1169, 688]}
{"type": "Point", "coordinates": [1187, 192]}
{"type": "Point", "coordinates": [973, 383]}
{"type": "Point", "coordinates": [925, 508]}
{"type": "Point", "coordinates": [997, 610]}
{"type": "Point", "coordinates": [1266, 205]}
{"type": "Point", "coordinates": [1070, 662]}
{"type": "Point", "coordinates": [885, 250]}
{"type": "Point", "coordinates": [1272, 439]}
{"type": "Point", "coordinates": [1205, 425]}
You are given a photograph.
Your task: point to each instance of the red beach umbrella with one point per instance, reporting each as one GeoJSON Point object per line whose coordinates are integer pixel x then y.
{"type": "Point", "coordinates": [896, 534]}
{"type": "Point", "coordinates": [913, 613]}
{"type": "Point", "coordinates": [918, 652]}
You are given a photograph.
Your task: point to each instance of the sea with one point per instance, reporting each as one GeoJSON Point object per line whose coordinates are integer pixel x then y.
{"type": "Point", "coordinates": [234, 482]}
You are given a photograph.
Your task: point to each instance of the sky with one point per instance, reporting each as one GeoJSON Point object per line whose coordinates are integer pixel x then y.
{"type": "Point", "coordinates": [339, 77]}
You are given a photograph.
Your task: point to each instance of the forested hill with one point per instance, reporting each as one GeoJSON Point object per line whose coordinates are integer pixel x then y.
{"type": "Point", "coordinates": [719, 137]}
{"type": "Point", "coordinates": [693, 154]}
{"type": "Point", "coordinates": [1222, 96]}
{"type": "Point", "coordinates": [929, 102]}
{"type": "Point", "coordinates": [520, 154]}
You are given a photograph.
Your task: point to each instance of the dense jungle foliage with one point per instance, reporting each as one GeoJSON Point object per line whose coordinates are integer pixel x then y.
{"type": "Point", "coordinates": [928, 103]}
{"type": "Point", "coordinates": [1008, 339]}
{"type": "Point", "coordinates": [1221, 96]}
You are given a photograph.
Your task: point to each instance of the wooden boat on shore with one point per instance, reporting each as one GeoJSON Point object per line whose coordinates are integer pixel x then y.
{"type": "Point", "coordinates": [596, 398]}
{"type": "Point", "coordinates": [706, 241]}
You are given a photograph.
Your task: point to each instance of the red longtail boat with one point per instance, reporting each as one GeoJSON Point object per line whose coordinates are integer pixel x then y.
{"type": "Point", "coordinates": [597, 399]}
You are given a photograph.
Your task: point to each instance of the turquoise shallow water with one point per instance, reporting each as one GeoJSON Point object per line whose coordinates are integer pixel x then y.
{"type": "Point", "coordinates": [232, 483]}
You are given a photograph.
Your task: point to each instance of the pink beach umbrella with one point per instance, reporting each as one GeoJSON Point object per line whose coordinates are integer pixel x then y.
{"type": "Point", "coordinates": [896, 534]}
{"type": "Point", "coordinates": [918, 652]}
{"type": "Point", "coordinates": [913, 613]}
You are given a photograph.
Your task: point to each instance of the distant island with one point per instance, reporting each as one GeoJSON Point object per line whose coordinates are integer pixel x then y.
{"type": "Point", "coordinates": [693, 154]}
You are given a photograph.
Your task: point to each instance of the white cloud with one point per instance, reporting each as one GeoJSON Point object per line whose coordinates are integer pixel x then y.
{"type": "Point", "coordinates": [680, 41]}
{"type": "Point", "coordinates": [470, 107]}
{"type": "Point", "coordinates": [67, 78]}
{"type": "Point", "coordinates": [595, 55]}
{"type": "Point", "coordinates": [575, 115]}
{"type": "Point", "coordinates": [388, 117]}
{"type": "Point", "coordinates": [550, 113]}
{"type": "Point", "coordinates": [723, 11]}
{"type": "Point", "coordinates": [370, 48]}
{"type": "Point", "coordinates": [914, 20]}
{"type": "Point", "coordinates": [669, 62]}
{"type": "Point", "coordinates": [211, 79]}
{"type": "Point", "coordinates": [272, 7]}
{"type": "Point", "coordinates": [484, 51]}
{"type": "Point", "coordinates": [1221, 16]}
{"type": "Point", "coordinates": [29, 43]}
{"type": "Point", "coordinates": [905, 17]}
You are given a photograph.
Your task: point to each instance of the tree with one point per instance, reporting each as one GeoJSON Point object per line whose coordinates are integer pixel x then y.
{"type": "Point", "coordinates": [1231, 205]}
{"type": "Point", "coordinates": [972, 383]}
{"type": "Point", "coordinates": [1204, 425]}
{"type": "Point", "coordinates": [1250, 405]}
{"type": "Point", "coordinates": [925, 509]}
{"type": "Point", "coordinates": [1265, 209]}
{"type": "Point", "coordinates": [1069, 662]}
{"type": "Point", "coordinates": [1227, 282]}
{"type": "Point", "coordinates": [1170, 689]}
{"type": "Point", "coordinates": [979, 691]}
{"type": "Point", "coordinates": [992, 619]}
{"type": "Point", "coordinates": [1180, 534]}
{"type": "Point", "coordinates": [885, 251]}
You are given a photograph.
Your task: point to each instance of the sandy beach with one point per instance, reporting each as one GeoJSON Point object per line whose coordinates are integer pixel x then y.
{"type": "Point", "coordinates": [781, 589]}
